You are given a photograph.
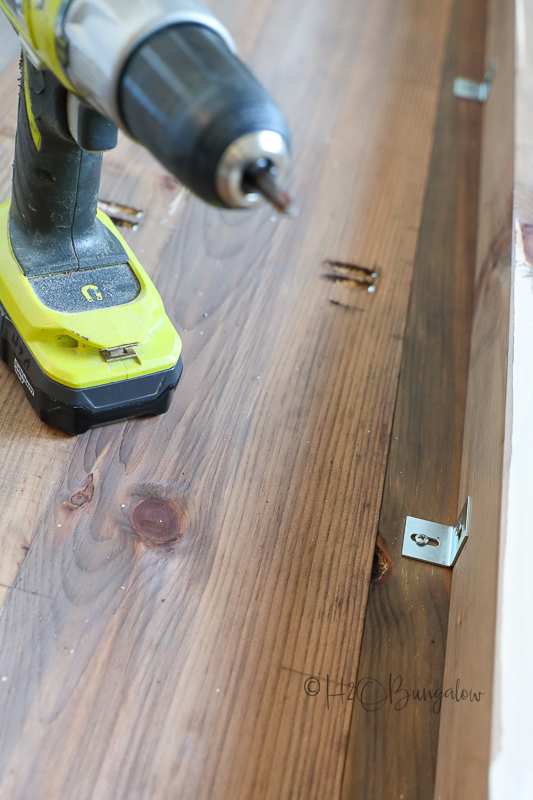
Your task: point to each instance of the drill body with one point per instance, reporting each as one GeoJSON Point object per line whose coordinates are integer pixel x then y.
{"type": "Point", "coordinates": [81, 323]}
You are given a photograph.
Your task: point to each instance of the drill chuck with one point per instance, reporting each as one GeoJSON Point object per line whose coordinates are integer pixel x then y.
{"type": "Point", "coordinates": [165, 71]}
{"type": "Point", "coordinates": [236, 181]}
{"type": "Point", "coordinates": [201, 112]}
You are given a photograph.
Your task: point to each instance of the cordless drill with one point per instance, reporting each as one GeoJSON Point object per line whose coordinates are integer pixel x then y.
{"type": "Point", "coordinates": [81, 323]}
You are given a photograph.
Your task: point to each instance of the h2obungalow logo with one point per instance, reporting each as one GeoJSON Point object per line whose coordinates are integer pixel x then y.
{"type": "Point", "coordinates": [21, 375]}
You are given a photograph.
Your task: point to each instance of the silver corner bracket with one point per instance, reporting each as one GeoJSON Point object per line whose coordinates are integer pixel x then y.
{"type": "Point", "coordinates": [472, 90]}
{"type": "Point", "coordinates": [435, 543]}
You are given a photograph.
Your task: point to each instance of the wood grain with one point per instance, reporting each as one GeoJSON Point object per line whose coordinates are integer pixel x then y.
{"type": "Point", "coordinates": [32, 457]}
{"type": "Point", "coordinates": [392, 750]}
{"type": "Point", "coordinates": [465, 734]}
{"type": "Point", "coordinates": [138, 671]}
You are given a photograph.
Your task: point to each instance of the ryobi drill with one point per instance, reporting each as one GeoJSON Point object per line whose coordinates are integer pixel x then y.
{"type": "Point", "coordinates": [81, 323]}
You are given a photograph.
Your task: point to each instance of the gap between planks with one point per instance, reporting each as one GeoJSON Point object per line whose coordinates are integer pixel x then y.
{"type": "Point", "coordinates": [393, 748]}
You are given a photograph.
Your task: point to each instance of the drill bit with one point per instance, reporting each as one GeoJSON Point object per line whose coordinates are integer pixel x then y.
{"type": "Point", "coordinates": [260, 177]}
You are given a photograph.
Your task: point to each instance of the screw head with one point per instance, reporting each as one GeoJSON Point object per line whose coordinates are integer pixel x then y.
{"type": "Point", "coordinates": [421, 539]}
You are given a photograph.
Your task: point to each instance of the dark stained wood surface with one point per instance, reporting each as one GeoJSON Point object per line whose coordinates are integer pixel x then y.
{"type": "Point", "coordinates": [470, 730]}
{"type": "Point", "coordinates": [392, 751]}
{"type": "Point", "coordinates": [139, 669]}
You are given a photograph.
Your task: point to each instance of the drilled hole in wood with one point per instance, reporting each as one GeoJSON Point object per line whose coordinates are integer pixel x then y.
{"type": "Point", "coordinates": [353, 276]}
{"type": "Point", "coordinates": [351, 283]}
{"type": "Point", "coordinates": [125, 223]}
{"type": "Point", "coordinates": [122, 216]}
{"type": "Point", "coordinates": [110, 207]}
{"type": "Point", "coordinates": [382, 564]}
{"type": "Point", "coordinates": [345, 266]}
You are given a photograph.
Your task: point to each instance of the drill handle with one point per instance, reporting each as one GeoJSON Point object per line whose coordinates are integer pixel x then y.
{"type": "Point", "coordinates": [53, 225]}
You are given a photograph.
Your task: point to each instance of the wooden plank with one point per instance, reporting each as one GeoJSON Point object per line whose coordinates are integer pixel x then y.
{"type": "Point", "coordinates": [393, 746]}
{"type": "Point", "coordinates": [465, 734]}
{"type": "Point", "coordinates": [32, 457]}
{"type": "Point", "coordinates": [136, 670]}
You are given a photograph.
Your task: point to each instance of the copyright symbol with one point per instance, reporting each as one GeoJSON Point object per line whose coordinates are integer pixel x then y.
{"type": "Point", "coordinates": [312, 687]}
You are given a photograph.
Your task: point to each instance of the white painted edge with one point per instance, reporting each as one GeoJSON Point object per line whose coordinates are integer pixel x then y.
{"type": "Point", "coordinates": [511, 770]}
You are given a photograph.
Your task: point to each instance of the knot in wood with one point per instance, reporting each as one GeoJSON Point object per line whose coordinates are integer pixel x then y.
{"type": "Point", "coordinates": [157, 522]}
{"type": "Point", "coordinates": [77, 499]}
{"type": "Point", "coordinates": [82, 496]}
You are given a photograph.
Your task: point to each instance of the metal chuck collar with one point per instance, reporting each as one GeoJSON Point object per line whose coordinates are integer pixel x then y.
{"type": "Point", "coordinates": [254, 168]}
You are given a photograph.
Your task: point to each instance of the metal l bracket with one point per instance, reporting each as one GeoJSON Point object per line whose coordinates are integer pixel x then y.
{"type": "Point", "coordinates": [472, 90]}
{"type": "Point", "coordinates": [437, 544]}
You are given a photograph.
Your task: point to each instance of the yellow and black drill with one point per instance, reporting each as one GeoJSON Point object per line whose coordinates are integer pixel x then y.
{"type": "Point", "coordinates": [81, 323]}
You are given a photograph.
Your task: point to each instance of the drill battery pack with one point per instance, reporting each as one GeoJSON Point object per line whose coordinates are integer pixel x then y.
{"type": "Point", "coordinates": [89, 346]}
